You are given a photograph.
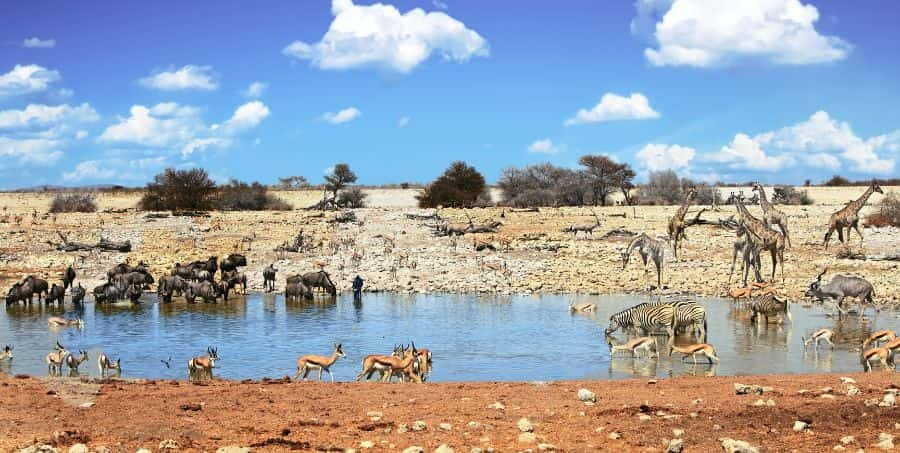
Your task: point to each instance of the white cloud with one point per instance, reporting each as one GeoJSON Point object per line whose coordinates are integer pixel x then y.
{"type": "Point", "coordinates": [706, 33]}
{"type": "Point", "coordinates": [37, 43]}
{"type": "Point", "coordinates": [745, 152]}
{"type": "Point", "coordinates": [246, 117]}
{"type": "Point", "coordinates": [40, 115]}
{"type": "Point", "coordinates": [613, 107]}
{"type": "Point", "coordinates": [26, 79]}
{"type": "Point", "coordinates": [81, 134]}
{"type": "Point", "coordinates": [255, 90]}
{"type": "Point", "coordinates": [89, 169]}
{"type": "Point", "coordinates": [346, 115]}
{"type": "Point", "coordinates": [189, 77]}
{"type": "Point", "coordinates": [164, 124]}
{"type": "Point", "coordinates": [656, 157]}
{"type": "Point", "coordinates": [30, 151]}
{"type": "Point", "coordinates": [379, 35]}
{"type": "Point", "coordinates": [544, 146]}
{"type": "Point", "coordinates": [439, 4]}
{"type": "Point", "coordinates": [403, 121]}
{"type": "Point", "coordinates": [202, 144]}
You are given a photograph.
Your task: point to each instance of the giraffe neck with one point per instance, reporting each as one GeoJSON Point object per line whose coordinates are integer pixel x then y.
{"type": "Point", "coordinates": [763, 201]}
{"type": "Point", "coordinates": [684, 207]}
{"type": "Point", "coordinates": [861, 201]}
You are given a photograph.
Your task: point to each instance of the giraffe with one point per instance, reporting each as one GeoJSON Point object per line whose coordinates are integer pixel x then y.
{"type": "Point", "coordinates": [676, 223]}
{"type": "Point", "coordinates": [771, 214]}
{"type": "Point", "coordinates": [767, 238]}
{"type": "Point", "coordinates": [848, 217]}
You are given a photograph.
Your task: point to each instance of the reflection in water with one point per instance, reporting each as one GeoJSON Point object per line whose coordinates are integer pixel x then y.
{"type": "Point", "coordinates": [472, 337]}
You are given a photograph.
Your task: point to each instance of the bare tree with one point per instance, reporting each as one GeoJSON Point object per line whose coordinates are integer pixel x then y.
{"type": "Point", "coordinates": [606, 176]}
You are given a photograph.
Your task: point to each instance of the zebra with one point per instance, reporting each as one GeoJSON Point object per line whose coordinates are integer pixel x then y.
{"type": "Point", "coordinates": [770, 304]}
{"type": "Point", "coordinates": [688, 314]}
{"type": "Point", "coordinates": [645, 317]}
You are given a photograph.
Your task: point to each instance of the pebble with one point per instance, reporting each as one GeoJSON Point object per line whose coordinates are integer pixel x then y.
{"type": "Point", "coordinates": [168, 444]}
{"type": "Point", "coordinates": [444, 448]}
{"type": "Point", "coordinates": [402, 428]}
{"type": "Point", "coordinates": [827, 396]}
{"type": "Point", "coordinates": [675, 446]}
{"type": "Point", "coordinates": [473, 425]}
{"type": "Point", "coordinates": [644, 417]}
{"type": "Point", "coordinates": [678, 433]}
{"type": "Point", "coordinates": [587, 396]}
{"type": "Point", "coordinates": [852, 390]}
{"type": "Point", "coordinates": [78, 448]}
{"type": "Point", "coordinates": [889, 400]}
{"type": "Point", "coordinates": [374, 415]}
{"type": "Point", "coordinates": [546, 447]}
{"type": "Point", "coordinates": [497, 406]}
{"type": "Point", "coordinates": [885, 441]}
{"type": "Point", "coordinates": [800, 426]}
{"type": "Point", "coordinates": [40, 448]}
{"type": "Point", "coordinates": [527, 438]}
{"type": "Point", "coordinates": [614, 435]}
{"type": "Point", "coordinates": [414, 450]}
{"type": "Point", "coordinates": [524, 425]}
{"type": "Point", "coordinates": [366, 444]}
{"type": "Point", "coordinates": [737, 446]}
{"type": "Point", "coordinates": [847, 440]}
{"type": "Point", "coordinates": [839, 448]}
{"type": "Point", "coordinates": [445, 427]}
{"type": "Point", "coordinates": [143, 450]}
{"type": "Point", "coordinates": [419, 425]}
{"type": "Point", "coordinates": [234, 449]}
{"type": "Point", "coordinates": [848, 380]}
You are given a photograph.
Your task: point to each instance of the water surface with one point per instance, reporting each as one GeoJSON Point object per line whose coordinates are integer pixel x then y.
{"type": "Point", "coordinates": [472, 337]}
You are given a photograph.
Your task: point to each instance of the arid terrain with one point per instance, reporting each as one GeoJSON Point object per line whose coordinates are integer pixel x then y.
{"type": "Point", "coordinates": [541, 258]}
{"type": "Point", "coordinates": [633, 415]}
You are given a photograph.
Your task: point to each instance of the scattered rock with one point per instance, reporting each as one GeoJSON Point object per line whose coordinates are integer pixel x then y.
{"type": "Point", "coordinates": [234, 449]}
{"type": "Point", "coordinates": [586, 396]}
{"type": "Point", "coordinates": [414, 450]}
{"type": "Point", "coordinates": [78, 448]}
{"type": "Point", "coordinates": [366, 444]}
{"type": "Point", "coordinates": [473, 425]}
{"type": "Point", "coordinates": [524, 425]}
{"type": "Point", "coordinates": [885, 442]}
{"type": "Point", "coordinates": [800, 426]}
{"type": "Point", "coordinates": [744, 389]}
{"type": "Point", "coordinates": [675, 446]}
{"type": "Point", "coordinates": [444, 448]}
{"type": "Point", "coordinates": [847, 440]}
{"type": "Point", "coordinates": [852, 390]}
{"type": "Point", "coordinates": [839, 448]}
{"type": "Point", "coordinates": [889, 400]}
{"type": "Point", "coordinates": [678, 433]}
{"type": "Point", "coordinates": [40, 448]}
{"type": "Point", "coordinates": [737, 446]}
{"type": "Point", "coordinates": [402, 428]}
{"type": "Point", "coordinates": [168, 444]}
{"type": "Point", "coordinates": [419, 425]}
{"type": "Point", "coordinates": [375, 415]}
{"type": "Point", "coordinates": [497, 406]}
{"type": "Point", "coordinates": [143, 450]}
{"type": "Point", "coordinates": [445, 427]}
{"type": "Point", "coordinates": [644, 417]}
{"type": "Point", "coordinates": [614, 435]}
{"type": "Point", "coordinates": [546, 447]}
{"type": "Point", "coordinates": [527, 438]}
{"type": "Point", "coordinates": [827, 396]}
{"type": "Point", "coordinates": [848, 380]}
{"type": "Point", "coordinates": [871, 402]}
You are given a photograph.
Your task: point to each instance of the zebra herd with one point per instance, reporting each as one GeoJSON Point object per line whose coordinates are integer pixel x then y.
{"type": "Point", "coordinates": [680, 316]}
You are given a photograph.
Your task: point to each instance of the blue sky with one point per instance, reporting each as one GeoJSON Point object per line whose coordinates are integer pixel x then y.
{"type": "Point", "coordinates": [776, 90]}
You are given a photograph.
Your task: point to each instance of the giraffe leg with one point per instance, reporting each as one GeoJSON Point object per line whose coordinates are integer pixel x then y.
{"type": "Point", "coordinates": [856, 227]}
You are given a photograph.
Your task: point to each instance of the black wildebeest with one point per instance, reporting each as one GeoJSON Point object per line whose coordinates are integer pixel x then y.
{"type": "Point", "coordinates": [233, 262]}
{"type": "Point", "coordinates": [269, 278]}
{"type": "Point", "coordinates": [38, 285]}
{"type": "Point", "coordinates": [211, 265]}
{"type": "Point", "coordinates": [170, 285]}
{"type": "Point", "coordinates": [78, 294]}
{"type": "Point", "coordinates": [297, 290]}
{"type": "Point", "coordinates": [185, 272]}
{"type": "Point", "coordinates": [141, 279]}
{"type": "Point", "coordinates": [313, 280]}
{"type": "Point", "coordinates": [69, 278]}
{"type": "Point", "coordinates": [19, 293]}
{"type": "Point", "coordinates": [230, 279]}
{"type": "Point", "coordinates": [57, 294]}
{"type": "Point", "coordinates": [204, 290]}
{"type": "Point", "coordinates": [133, 293]}
{"type": "Point", "coordinates": [125, 268]}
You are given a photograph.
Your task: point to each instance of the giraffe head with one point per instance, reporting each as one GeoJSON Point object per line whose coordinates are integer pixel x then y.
{"type": "Point", "coordinates": [691, 193]}
{"type": "Point", "coordinates": [876, 187]}
{"type": "Point", "coordinates": [757, 187]}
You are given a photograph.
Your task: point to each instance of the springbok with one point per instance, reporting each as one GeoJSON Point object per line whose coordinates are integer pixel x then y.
{"type": "Point", "coordinates": [198, 366]}
{"type": "Point", "coordinates": [307, 363]}
{"type": "Point", "coordinates": [105, 364]}
{"type": "Point", "coordinates": [391, 364]}
{"type": "Point", "coordinates": [404, 367]}
{"type": "Point", "coordinates": [704, 349]}
{"type": "Point", "coordinates": [370, 365]}
{"type": "Point", "coordinates": [56, 321]}
{"type": "Point", "coordinates": [869, 355]}
{"type": "Point", "coordinates": [583, 308]}
{"type": "Point", "coordinates": [56, 359]}
{"type": "Point", "coordinates": [821, 334]}
{"type": "Point", "coordinates": [73, 362]}
{"type": "Point", "coordinates": [7, 353]}
{"type": "Point", "coordinates": [878, 337]}
{"type": "Point", "coordinates": [646, 344]}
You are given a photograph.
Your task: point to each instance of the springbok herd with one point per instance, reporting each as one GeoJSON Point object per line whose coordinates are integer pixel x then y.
{"type": "Point", "coordinates": [198, 280]}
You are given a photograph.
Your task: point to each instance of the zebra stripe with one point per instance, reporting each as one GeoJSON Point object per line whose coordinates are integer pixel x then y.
{"type": "Point", "coordinates": [768, 304]}
{"type": "Point", "coordinates": [645, 317]}
{"type": "Point", "coordinates": [688, 314]}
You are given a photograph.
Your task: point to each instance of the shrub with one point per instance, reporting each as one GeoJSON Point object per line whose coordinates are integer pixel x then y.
{"type": "Point", "coordinates": [888, 213]}
{"type": "Point", "coordinates": [178, 190]}
{"type": "Point", "coordinates": [353, 197]}
{"type": "Point", "coordinates": [837, 181]}
{"type": "Point", "coordinates": [73, 202]}
{"type": "Point", "coordinates": [292, 182]}
{"type": "Point", "coordinates": [341, 176]}
{"type": "Point", "coordinates": [790, 196]}
{"type": "Point", "coordinates": [240, 196]}
{"type": "Point", "coordinates": [606, 176]}
{"type": "Point", "coordinates": [459, 186]}
{"type": "Point", "coordinates": [662, 187]}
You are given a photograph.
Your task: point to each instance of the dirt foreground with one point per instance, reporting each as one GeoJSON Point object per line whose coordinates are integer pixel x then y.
{"type": "Point", "coordinates": [631, 415]}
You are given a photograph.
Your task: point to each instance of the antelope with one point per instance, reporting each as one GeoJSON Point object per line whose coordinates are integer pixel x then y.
{"type": "Point", "coordinates": [759, 289]}
{"type": "Point", "coordinates": [307, 363]}
{"type": "Point", "coordinates": [402, 258]}
{"type": "Point", "coordinates": [646, 344]}
{"type": "Point", "coordinates": [7, 353]}
{"type": "Point", "coordinates": [56, 321]}
{"type": "Point", "coordinates": [704, 349]}
{"type": "Point", "coordinates": [105, 364]}
{"type": "Point", "coordinates": [370, 365]}
{"type": "Point", "coordinates": [73, 362]}
{"type": "Point", "coordinates": [584, 308]}
{"type": "Point", "coordinates": [821, 334]}
{"type": "Point", "coordinates": [882, 354]}
{"type": "Point", "coordinates": [893, 346]}
{"type": "Point", "coordinates": [55, 359]}
{"type": "Point", "coordinates": [404, 366]}
{"type": "Point", "coordinates": [203, 364]}
{"type": "Point", "coordinates": [481, 244]}
{"type": "Point", "coordinates": [878, 337]}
